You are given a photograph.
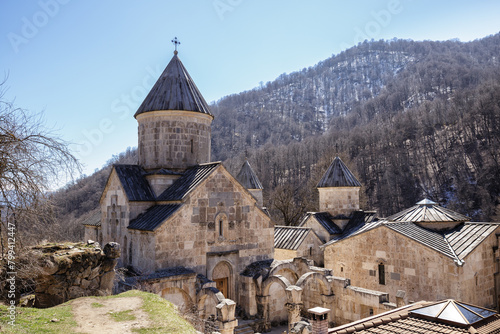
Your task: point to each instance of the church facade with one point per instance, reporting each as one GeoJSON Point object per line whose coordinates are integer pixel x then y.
{"type": "Point", "coordinates": [184, 222]}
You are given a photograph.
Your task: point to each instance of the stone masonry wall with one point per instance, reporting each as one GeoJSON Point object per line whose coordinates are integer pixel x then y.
{"type": "Point", "coordinates": [173, 139]}
{"type": "Point", "coordinates": [339, 200]}
{"type": "Point", "coordinates": [409, 266]}
{"type": "Point", "coordinates": [69, 271]}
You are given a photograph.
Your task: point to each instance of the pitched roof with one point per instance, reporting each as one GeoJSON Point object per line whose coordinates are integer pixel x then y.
{"type": "Point", "coordinates": [187, 182]}
{"type": "Point", "coordinates": [153, 217]}
{"type": "Point", "coordinates": [428, 211]}
{"type": "Point", "coordinates": [325, 219]}
{"type": "Point", "coordinates": [94, 219]}
{"type": "Point", "coordinates": [290, 237]}
{"type": "Point", "coordinates": [429, 238]}
{"type": "Point", "coordinates": [456, 244]}
{"type": "Point", "coordinates": [134, 183]}
{"type": "Point", "coordinates": [338, 175]}
{"type": "Point", "coordinates": [407, 319]}
{"type": "Point", "coordinates": [174, 90]}
{"type": "Point", "coordinates": [248, 178]}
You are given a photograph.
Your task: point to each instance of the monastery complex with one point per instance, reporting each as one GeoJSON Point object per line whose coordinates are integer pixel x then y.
{"type": "Point", "coordinates": [202, 238]}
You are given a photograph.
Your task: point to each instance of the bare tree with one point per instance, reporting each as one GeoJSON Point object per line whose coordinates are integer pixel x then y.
{"type": "Point", "coordinates": [32, 160]}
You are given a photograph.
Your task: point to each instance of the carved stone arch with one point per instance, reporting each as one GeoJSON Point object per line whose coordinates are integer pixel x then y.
{"type": "Point", "coordinates": [178, 297]}
{"type": "Point", "coordinates": [291, 275]}
{"type": "Point", "coordinates": [283, 281]}
{"type": "Point", "coordinates": [299, 265]}
{"type": "Point", "coordinates": [325, 285]}
{"type": "Point", "coordinates": [208, 295]}
{"type": "Point", "coordinates": [224, 270]}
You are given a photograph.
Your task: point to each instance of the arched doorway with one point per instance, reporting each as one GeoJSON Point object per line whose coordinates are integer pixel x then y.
{"type": "Point", "coordinates": [222, 275]}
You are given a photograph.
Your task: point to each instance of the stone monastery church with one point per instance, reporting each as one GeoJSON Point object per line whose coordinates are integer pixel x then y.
{"type": "Point", "coordinates": [201, 237]}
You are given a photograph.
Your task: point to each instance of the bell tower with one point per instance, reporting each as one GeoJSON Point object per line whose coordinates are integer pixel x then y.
{"type": "Point", "coordinates": [174, 122]}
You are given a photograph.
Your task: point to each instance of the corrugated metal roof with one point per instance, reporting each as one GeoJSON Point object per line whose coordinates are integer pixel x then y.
{"type": "Point", "coordinates": [248, 178]}
{"type": "Point", "coordinates": [427, 211]}
{"type": "Point", "coordinates": [187, 182]}
{"type": "Point", "coordinates": [338, 175]}
{"type": "Point", "coordinates": [465, 239]}
{"type": "Point", "coordinates": [290, 237]}
{"type": "Point", "coordinates": [134, 183]}
{"type": "Point", "coordinates": [174, 90]}
{"type": "Point", "coordinates": [153, 217]}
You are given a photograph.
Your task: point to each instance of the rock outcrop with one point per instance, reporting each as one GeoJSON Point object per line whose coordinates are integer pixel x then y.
{"type": "Point", "coordinates": [72, 270]}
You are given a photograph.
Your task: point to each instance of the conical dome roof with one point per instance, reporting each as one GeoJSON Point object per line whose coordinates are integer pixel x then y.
{"type": "Point", "coordinates": [338, 175]}
{"type": "Point", "coordinates": [174, 90]}
{"type": "Point", "coordinates": [427, 211]}
{"type": "Point", "coordinates": [248, 178]}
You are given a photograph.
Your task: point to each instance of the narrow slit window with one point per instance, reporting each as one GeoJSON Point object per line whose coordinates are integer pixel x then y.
{"type": "Point", "coordinates": [221, 231]}
{"type": "Point", "coordinates": [192, 146]}
{"type": "Point", "coordinates": [381, 274]}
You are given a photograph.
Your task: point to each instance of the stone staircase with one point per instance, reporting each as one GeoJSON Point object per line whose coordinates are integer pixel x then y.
{"type": "Point", "coordinates": [244, 327]}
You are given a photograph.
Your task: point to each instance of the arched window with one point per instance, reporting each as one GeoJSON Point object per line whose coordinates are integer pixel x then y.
{"type": "Point", "coordinates": [381, 273]}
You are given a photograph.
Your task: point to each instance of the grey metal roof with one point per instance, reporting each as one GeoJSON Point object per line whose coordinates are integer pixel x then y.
{"type": "Point", "coordinates": [94, 219]}
{"type": "Point", "coordinates": [134, 183]}
{"type": "Point", "coordinates": [248, 178]}
{"type": "Point", "coordinates": [456, 244]}
{"type": "Point", "coordinates": [174, 90]}
{"type": "Point", "coordinates": [432, 239]}
{"type": "Point", "coordinates": [338, 175]}
{"type": "Point", "coordinates": [427, 211]}
{"type": "Point", "coordinates": [325, 219]}
{"type": "Point", "coordinates": [469, 236]}
{"type": "Point", "coordinates": [290, 237]}
{"type": "Point", "coordinates": [153, 217]}
{"type": "Point", "coordinates": [187, 182]}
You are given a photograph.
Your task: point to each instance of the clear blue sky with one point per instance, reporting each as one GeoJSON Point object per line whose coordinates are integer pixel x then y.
{"type": "Point", "coordinates": [89, 64]}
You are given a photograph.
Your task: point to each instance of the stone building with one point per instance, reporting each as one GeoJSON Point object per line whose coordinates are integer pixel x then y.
{"type": "Point", "coordinates": [183, 221]}
{"type": "Point", "coordinates": [426, 252]}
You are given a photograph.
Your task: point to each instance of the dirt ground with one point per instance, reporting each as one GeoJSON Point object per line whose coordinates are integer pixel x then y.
{"type": "Point", "coordinates": [97, 320]}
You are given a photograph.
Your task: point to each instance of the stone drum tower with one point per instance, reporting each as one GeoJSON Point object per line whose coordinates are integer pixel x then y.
{"type": "Point", "coordinates": [174, 122]}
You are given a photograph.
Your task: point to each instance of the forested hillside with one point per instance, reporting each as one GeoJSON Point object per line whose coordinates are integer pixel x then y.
{"type": "Point", "coordinates": [411, 120]}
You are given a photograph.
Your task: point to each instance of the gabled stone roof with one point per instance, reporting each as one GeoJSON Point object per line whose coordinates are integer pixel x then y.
{"type": "Point", "coordinates": [338, 175]}
{"type": "Point", "coordinates": [174, 90]}
{"type": "Point", "coordinates": [248, 178]}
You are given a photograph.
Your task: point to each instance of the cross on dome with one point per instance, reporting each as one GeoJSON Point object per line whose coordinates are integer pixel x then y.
{"type": "Point", "coordinates": [176, 42]}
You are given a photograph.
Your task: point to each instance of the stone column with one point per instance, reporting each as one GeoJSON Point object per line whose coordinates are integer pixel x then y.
{"type": "Point", "coordinates": [225, 316]}
{"type": "Point", "coordinates": [319, 320]}
{"type": "Point", "coordinates": [293, 305]}
{"type": "Point", "coordinates": [263, 306]}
